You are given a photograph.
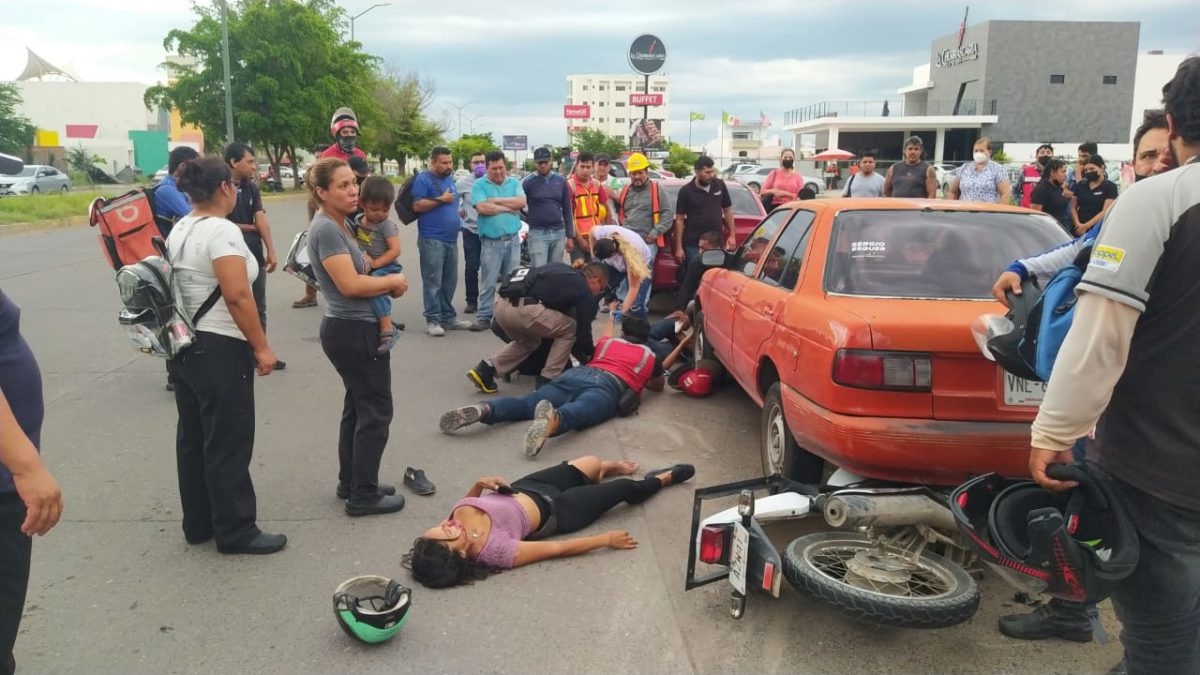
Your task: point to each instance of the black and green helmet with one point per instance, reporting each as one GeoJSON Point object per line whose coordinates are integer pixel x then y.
{"type": "Point", "coordinates": [371, 609]}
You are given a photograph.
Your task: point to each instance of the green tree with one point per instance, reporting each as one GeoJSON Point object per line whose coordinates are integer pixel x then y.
{"type": "Point", "coordinates": [462, 148]}
{"type": "Point", "coordinates": [81, 161]}
{"type": "Point", "coordinates": [290, 69]}
{"type": "Point", "coordinates": [16, 131]}
{"type": "Point", "coordinates": [529, 165]}
{"type": "Point", "coordinates": [596, 141]}
{"type": "Point", "coordinates": [679, 159]}
{"type": "Point", "coordinates": [403, 129]}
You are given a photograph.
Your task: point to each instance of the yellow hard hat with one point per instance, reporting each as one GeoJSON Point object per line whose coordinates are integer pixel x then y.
{"type": "Point", "coordinates": [637, 162]}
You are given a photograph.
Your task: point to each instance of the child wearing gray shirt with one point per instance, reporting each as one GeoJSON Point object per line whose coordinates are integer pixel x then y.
{"type": "Point", "coordinates": [379, 240]}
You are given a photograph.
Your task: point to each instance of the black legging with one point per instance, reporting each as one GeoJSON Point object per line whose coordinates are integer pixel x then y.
{"type": "Point", "coordinates": [578, 502]}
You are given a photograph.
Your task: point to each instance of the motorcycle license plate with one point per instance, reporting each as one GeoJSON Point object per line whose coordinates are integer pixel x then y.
{"type": "Point", "coordinates": [1021, 392]}
{"type": "Point", "coordinates": [738, 557]}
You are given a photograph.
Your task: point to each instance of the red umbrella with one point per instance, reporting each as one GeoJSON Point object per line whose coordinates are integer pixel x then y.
{"type": "Point", "coordinates": [832, 154]}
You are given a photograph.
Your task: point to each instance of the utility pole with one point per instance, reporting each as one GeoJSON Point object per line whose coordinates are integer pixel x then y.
{"type": "Point", "coordinates": [378, 4]}
{"type": "Point", "coordinates": [225, 60]}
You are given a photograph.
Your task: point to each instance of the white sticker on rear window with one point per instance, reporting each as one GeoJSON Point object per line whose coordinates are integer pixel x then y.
{"type": "Point", "coordinates": [868, 249]}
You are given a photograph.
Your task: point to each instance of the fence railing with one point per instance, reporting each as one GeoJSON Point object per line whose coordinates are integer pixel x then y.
{"type": "Point", "coordinates": [887, 108]}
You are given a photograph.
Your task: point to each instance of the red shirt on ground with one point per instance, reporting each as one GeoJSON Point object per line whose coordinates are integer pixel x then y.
{"type": "Point", "coordinates": [634, 364]}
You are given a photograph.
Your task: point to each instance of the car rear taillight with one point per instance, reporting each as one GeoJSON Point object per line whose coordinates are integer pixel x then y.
{"type": "Point", "coordinates": [867, 369]}
{"type": "Point", "coordinates": [714, 544]}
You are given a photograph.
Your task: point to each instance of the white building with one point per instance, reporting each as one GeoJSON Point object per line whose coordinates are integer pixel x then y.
{"type": "Point", "coordinates": [608, 101]}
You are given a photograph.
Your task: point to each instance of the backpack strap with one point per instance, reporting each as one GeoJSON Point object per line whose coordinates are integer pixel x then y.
{"type": "Point", "coordinates": [212, 298]}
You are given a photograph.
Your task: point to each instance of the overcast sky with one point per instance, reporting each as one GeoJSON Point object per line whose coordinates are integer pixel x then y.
{"type": "Point", "coordinates": [510, 59]}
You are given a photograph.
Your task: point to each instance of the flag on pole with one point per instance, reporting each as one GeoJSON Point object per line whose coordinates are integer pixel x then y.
{"type": "Point", "coordinates": [695, 116]}
{"type": "Point", "coordinates": [762, 119]}
{"type": "Point", "coordinates": [732, 121]}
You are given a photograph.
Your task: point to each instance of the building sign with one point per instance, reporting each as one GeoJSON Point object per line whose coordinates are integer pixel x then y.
{"type": "Point", "coordinates": [645, 99]}
{"type": "Point", "coordinates": [577, 112]}
{"type": "Point", "coordinates": [575, 130]}
{"type": "Point", "coordinates": [515, 143]}
{"type": "Point", "coordinates": [647, 54]}
{"type": "Point", "coordinates": [645, 135]}
{"type": "Point", "coordinates": [952, 57]}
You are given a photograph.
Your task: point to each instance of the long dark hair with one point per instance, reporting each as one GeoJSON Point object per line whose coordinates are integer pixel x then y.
{"type": "Point", "coordinates": [1053, 165]}
{"type": "Point", "coordinates": [436, 565]}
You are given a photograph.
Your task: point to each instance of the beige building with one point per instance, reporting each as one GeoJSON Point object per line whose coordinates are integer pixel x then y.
{"type": "Point", "coordinates": [608, 101]}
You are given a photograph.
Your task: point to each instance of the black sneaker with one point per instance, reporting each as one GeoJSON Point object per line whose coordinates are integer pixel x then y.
{"type": "Point", "coordinates": [280, 364]}
{"type": "Point", "coordinates": [470, 308]}
{"type": "Point", "coordinates": [484, 377]}
{"type": "Point", "coordinates": [385, 504]}
{"type": "Point", "coordinates": [343, 491]}
{"type": "Point", "coordinates": [417, 482]}
{"type": "Point", "coordinates": [1057, 618]}
{"type": "Point", "coordinates": [262, 544]}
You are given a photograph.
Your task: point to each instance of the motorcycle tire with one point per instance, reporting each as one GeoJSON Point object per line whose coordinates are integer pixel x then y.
{"type": "Point", "coordinates": [956, 604]}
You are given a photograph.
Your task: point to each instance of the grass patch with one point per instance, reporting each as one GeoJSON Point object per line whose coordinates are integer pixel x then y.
{"type": "Point", "coordinates": [46, 208]}
{"type": "Point", "coordinates": [72, 208]}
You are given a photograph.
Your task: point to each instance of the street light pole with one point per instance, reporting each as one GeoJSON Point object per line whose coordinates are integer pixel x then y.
{"type": "Point", "coordinates": [378, 4]}
{"type": "Point", "coordinates": [471, 122]}
{"type": "Point", "coordinates": [225, 61]}
{"type": "Point", "coordinates": [460, 109]}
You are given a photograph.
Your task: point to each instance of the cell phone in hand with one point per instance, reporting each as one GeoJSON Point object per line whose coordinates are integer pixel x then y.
{"type": "Point", "coordinates": [505, 490]}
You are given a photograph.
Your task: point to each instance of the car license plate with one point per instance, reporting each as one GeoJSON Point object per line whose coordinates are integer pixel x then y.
{"type": "Point", "coordinates": [1021, 392]}
{"type": "Point", "coordinates": [737, 557]}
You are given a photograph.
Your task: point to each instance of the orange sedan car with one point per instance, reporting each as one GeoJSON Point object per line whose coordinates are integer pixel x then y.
{"type": "Point", "coordinates": [848, 321]}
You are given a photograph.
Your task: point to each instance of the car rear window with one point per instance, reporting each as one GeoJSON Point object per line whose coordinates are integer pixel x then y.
{"type": "Point", "coordinates": [744, 201]}
{"type": "Point", "coordinates": [931, 254]}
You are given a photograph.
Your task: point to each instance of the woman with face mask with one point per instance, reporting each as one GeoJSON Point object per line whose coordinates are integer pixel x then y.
{"type": "Point", "coordinates": [784, 183]}
{"type": "Point", "coordinates": [1094, 194]}
{"type": "Point", "coordinates": [983, 180]}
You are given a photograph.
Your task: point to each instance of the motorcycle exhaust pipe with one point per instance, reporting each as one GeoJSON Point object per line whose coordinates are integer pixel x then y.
{"type": "Point", "coordinates": [856, 510]}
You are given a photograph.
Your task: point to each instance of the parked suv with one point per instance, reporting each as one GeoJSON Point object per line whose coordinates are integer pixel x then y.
{"type": "Point", "coordinates": [34, 178]}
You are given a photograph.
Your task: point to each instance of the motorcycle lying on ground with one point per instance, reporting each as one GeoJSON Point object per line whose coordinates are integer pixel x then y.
{"type": "Point", "coordinates": [894, 555]}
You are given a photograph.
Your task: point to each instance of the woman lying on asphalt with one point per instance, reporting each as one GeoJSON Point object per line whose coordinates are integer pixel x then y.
{"type": "Point", "coordinates": [495, 531]}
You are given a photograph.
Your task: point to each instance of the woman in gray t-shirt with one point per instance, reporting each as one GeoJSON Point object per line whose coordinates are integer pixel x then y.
{"type": "Point", "coordinates": [350, 337]}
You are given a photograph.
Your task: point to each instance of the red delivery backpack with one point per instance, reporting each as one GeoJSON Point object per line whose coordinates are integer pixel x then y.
{"type": "Point", "coordinates": [127, 227]}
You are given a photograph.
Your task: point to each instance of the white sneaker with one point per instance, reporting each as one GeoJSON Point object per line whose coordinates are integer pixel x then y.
{"type": "Point", "coordinates": [458, 324]}
{"type": "Point", "coordinates": [435, 329]}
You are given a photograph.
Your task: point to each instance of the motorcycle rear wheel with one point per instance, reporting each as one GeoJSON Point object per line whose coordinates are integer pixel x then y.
{"type": "Point", "coordinates": [933, 593]}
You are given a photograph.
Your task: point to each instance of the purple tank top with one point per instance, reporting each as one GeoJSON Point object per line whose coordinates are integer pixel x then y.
{"type": "Point", "coordinates": [510, 524]}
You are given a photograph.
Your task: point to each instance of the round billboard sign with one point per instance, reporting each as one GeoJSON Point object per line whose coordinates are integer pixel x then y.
{"type": "Point", "coordinates": [647, 54]}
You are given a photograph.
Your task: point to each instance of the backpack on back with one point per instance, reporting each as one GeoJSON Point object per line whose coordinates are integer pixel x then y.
{"type": "Point", "coordinates": [404, 202]}
{"type": "Point", "coordinates": [1051, 316]}
{"type": "Point", "coordinates": [151, 315]}
{"type": "Point", "coordinates": [128, 227]}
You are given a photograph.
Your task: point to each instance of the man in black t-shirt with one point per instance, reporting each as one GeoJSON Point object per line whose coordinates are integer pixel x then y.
{"type": "Point", "coordinates": [249, 216]}
{"type": "Point", "coordinates": [559, 305]}
{"type": "Point", "coordinates": [703, 205]}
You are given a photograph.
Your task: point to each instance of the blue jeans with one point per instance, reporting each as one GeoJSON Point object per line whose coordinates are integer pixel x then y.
{"type": "Point", "coordinates": [497, 259]}
{"type": "Point", "coordinates": [381, 305]}
{"type": "Point", "coordinates": [439, 278]}
{"type": "Point", "coordinates": [1159, 604]}
{"type": "Point", "coordinates": [583, 397]}
{"type": "Point", "coordinates": [641, 304]}
{"type": "Point", "coordinates": [471, 248]}
{"type": "Point", "coordinates": [545, 245]}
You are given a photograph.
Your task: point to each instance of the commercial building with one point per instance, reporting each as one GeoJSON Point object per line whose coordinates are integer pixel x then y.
{"type": "Point", "coordinates": [610, 106]}
{"type": "Point", "coordinates": [1018, 83]}
{"type": "Point", "coordinates": [108, 119]}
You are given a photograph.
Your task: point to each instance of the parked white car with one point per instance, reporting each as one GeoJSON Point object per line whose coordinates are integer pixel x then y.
{"type": "Point", "coordinates": [34, 178]}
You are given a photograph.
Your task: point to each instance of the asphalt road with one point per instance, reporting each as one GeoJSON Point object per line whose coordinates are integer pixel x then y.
{"type": "Point", "coordinates": [115, 589]}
